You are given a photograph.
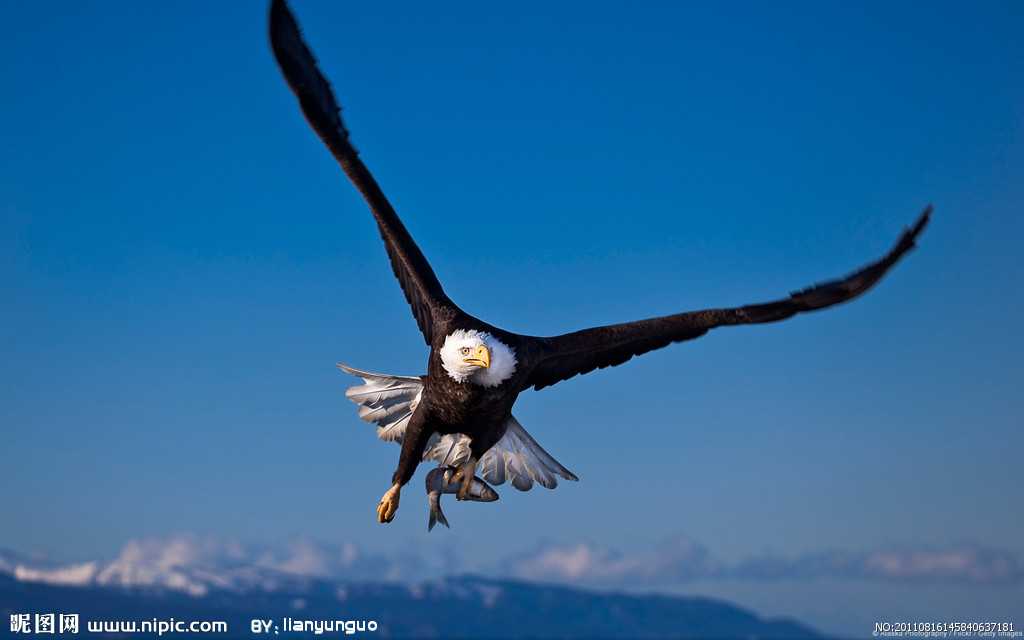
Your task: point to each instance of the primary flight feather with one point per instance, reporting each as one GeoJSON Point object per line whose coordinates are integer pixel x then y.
{"type": "Point", "coordinates": [460, 413]}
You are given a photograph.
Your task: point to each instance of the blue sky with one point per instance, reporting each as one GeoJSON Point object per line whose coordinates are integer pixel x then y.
{"type": "Point", "coordinates": [182, 264]}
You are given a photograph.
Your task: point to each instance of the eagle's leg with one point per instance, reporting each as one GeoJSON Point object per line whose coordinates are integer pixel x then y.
{"type": "Point", "coordinates": [417, 433]}
{"type": "Point", "coordinates": [478, 446]}
{"type": "Point", "coordinates": [465, 474]}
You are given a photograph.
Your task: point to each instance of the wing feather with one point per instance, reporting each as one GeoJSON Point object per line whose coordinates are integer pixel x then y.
{"type": "Point", "coordinates": [571, 354]}
{"type": "Point", "coordinates": [521, 459]}
{"type": "Point", "coordinates": [388, 401]}
{"type": "Point", "coordinates": [430, 305]}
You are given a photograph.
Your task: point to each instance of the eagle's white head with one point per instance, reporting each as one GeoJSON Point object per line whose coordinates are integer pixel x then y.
{"type": "Point", "coordinates": [478, 357]}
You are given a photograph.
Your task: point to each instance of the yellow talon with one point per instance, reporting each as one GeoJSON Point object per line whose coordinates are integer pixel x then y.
{"type": "Point", "coordinates": [465, 475]}
{"type": "Point", "coordinates": [388, 505]}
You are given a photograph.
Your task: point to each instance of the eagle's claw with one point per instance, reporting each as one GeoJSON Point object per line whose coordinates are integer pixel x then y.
{"type": "Point", "coordinates": [388, 505]}
{"type": "Point", "coordinates": [464, 475]}
{"type": "Point", "coordinates": [463, 492]}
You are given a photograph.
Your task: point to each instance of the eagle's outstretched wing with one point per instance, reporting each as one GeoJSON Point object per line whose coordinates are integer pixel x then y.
{"type": "Point", "coordinates": [562, 357]}
{"type": "Point", "coordinates": [422, 289]}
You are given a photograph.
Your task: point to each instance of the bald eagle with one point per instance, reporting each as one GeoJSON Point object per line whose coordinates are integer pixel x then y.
{"type": "Point", "coordinates": [460, 412]}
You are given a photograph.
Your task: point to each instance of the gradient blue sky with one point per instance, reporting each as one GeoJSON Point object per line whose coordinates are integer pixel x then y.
{"type": "Point", "coordinates": [182, 264]}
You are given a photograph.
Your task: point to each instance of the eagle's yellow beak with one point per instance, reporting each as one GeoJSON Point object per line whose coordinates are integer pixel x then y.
{"type": "Point", "coordinates": [480, 358]}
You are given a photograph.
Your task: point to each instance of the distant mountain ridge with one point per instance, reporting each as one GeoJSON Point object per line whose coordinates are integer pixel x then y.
{"type": "Point", "coordinates": [191, 579]}
{"type": "Point", "coordinates": [455, 607]}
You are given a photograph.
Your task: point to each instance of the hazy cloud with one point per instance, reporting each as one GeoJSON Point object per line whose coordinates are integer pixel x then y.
{"type": "Point", "coordinates": [71, 575]}
{"type": "Point", "coordinates": [676, 560]}
{"type": "Point", "coordinates": [681, 560]}
{"type": "Point", "coordinates": [965, 564]}
{"type": "Point", "coordinates": [195, 565]}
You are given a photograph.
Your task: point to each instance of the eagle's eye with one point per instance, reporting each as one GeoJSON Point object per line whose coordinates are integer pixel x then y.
{"type": "Point", "coordinates": [465, 351]}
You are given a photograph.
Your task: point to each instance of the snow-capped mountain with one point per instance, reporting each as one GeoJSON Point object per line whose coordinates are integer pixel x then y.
{"type": "Point", "coordinates": [187, 577]}
{"type": "Point", "coordinates": [196, 566]}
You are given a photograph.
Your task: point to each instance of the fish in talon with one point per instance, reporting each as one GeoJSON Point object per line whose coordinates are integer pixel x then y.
{"type": "Point", "coordinates": [439, 482]}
